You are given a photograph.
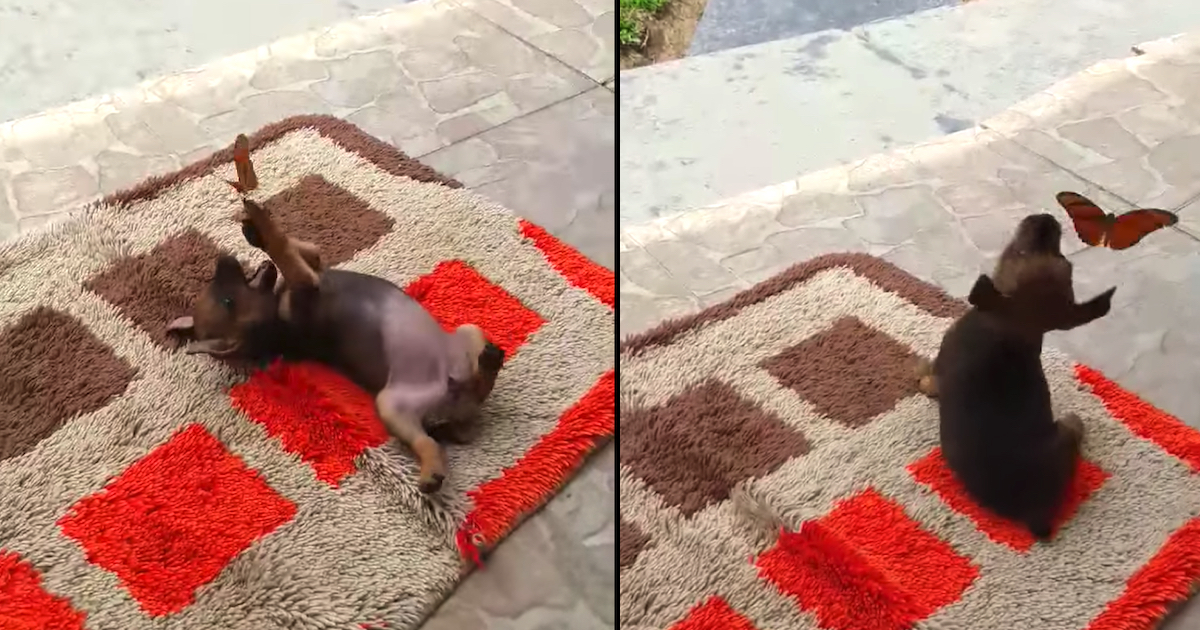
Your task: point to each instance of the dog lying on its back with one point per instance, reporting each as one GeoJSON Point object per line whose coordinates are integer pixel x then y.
{"type": "Point", "coordinates": [426, 382]}
{"type": "Point", "coordinates": [998, 432]}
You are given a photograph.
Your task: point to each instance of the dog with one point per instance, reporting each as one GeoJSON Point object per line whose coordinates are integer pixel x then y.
{"type": "Point", "coordinates": [426, 382]}
{"type": "Point", "coordinates": [998, 433]}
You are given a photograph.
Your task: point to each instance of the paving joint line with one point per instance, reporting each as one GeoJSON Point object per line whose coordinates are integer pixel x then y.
{"type": "Point", "coordinates": [1058, 166]}
{"type": "Point", "coordinates": [1175, 209]}
{"type": "Point", "coordinates": [510, 120]}
{"type": "Point", "coordinates": [529, 44]}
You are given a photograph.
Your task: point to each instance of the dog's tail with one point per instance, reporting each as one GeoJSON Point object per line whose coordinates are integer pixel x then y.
{"type": "Point", "coordinates": [762, 522]}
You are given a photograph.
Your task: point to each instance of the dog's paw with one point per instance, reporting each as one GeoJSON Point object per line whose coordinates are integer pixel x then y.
{"type": "Point", "coordinates": [431, 484]}
{"type": "Point", "coordinates": [492, 358]}
{"type": "Point", "coordinates": [926, 383]}
{"type": "Point", "coordinates": [1073, 424]}
{"type": "Point", "coordinates": [923, 367]}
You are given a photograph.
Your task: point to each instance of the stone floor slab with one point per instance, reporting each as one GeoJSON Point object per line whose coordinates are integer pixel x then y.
{"type": "Point", "coordinates": [707, 128]}
{"type": "Point", "coordinates": [556, 165]}
{"type": "Point", "coordinates": [887, 84]}
{"type": "Point", "coordinates": [61, 51]}
{"type": "Point", "coordinates": [1149, 342]}
{"type": "Point", "coordinates": [423, 77]}
{"type": "Point", "coordinates": [555, 571]}
{"type": "Point", "coordinates": [734, 23]}
{"type": "Point", "coordinates": [579, 33]}
{"type": "Point", "coordinates": [1189, 218]}
{"type": "Point", "coordinates": [1126, 125]}
{"type": "Point", "coordinates": [1001, 52]}
{"type": "Point", "coordinates": [942, 209]}
{"type": "Point", "coordinates": [1122, 124]}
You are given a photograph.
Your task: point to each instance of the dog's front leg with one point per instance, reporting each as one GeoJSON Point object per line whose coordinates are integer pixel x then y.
{"type": "Point", "coordinates": [406, 426]}
{"type": "Point", "coordinates": [298, 262]}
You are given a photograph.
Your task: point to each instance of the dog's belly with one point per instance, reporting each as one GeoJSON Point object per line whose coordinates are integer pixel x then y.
{"type": "Point", "coordinates": [380, 337]}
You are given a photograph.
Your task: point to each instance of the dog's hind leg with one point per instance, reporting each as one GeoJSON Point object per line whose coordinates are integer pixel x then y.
{"type": "Point", "coordinates": [1065, 451]}
{"type": "Point", "coordinates": [405, 424]}
{"type": "Point", "coordinates": [485, 360]}
{"type": "Point", "coordinates": [1070, 435]}
{"type": "Point", "coordinates": [459, 412]}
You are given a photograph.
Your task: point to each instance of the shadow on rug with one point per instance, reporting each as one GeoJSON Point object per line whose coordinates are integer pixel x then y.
{"type": "Point", "coordinates": [780, 470]}
{"type": "Point", "coordinates": [146, 488]}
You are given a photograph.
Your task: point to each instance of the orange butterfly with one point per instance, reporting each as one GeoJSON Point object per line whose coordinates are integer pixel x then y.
{"type": "Point", "coordinates": [1101, 229]}
{"type": "Point", "coordinates": [247, 180]}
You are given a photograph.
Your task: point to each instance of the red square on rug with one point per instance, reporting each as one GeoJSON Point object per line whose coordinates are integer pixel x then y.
{"type": "Point", "coordinates": [867, 566]}
{"type": "Point", "coordinates": [24, 604]}
{"type": "Point", "coordinates": [932, 471]}
{"type": "Point", "coordinates": [315, 413]}
{"type": "Point", "coordinates": [714, 614]}
{"type": "Point", "coordinates": [175, 518]}
{"type": "Point", "coordinates": [455, 294]}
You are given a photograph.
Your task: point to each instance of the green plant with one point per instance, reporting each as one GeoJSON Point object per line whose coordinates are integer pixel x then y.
{"type": "Point", "coordinates": [634, 15]}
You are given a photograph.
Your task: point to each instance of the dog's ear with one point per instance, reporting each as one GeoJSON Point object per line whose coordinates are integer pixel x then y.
{"type": "Point", "coordinates": [264, 279]}
{"type": "Point", "coordinates": [986, 297]}
{"type": "Point", "coordinates": [1088, 312]}
{"type": "Point", "coordinates": [251, 234]}
{"type": "Point", "coordinates": [181, 325]}
{"type": "Point", "coordinates": [228, 271]}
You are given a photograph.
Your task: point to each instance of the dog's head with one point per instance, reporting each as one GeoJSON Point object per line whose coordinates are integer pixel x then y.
{"type": "Point", "coordinates": [234, 316]}
{"type": "Point", "coordinates": [1031, 287]}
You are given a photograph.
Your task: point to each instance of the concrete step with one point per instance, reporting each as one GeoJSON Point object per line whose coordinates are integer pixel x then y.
{"type": "Point", "coordinates": [708, 127]}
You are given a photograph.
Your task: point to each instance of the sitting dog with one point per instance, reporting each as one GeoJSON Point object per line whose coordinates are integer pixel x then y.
{"type": "Point", "coordinates": [425, 380]}
{"type": "Point", "coordinates": [998, 432]}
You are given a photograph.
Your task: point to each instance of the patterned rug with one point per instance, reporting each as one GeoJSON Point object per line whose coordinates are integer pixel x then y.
{"type": "Point", "coordinates": [146, 488]}
{"type": "Point", "coordinates": [779, 470]}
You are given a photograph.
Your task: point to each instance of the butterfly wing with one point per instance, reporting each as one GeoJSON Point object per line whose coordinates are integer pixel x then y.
{"type": "Point", "coordinates": [247, 180]}
{"type": "Point", "coordinates": [1091, 223]}
{"type": "Point", "coordinates": [1132, 226]}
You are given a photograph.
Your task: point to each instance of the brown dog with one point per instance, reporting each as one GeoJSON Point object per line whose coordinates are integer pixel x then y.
{"type": "Point", "coordinates": [425, 380]}
{"type": "Point", "coordinates": [998, 432]}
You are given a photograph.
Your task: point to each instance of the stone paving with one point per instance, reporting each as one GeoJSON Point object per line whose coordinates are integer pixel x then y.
{"type": "Point", "coordinates": [1123, 133]}
{"type": "Point", "coordinates": [513, 98]}
{"type": "Point", "coordinates": [832, 97]}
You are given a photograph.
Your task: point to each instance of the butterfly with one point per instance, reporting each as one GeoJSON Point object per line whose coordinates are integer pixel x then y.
{"type": "Point", "coordinates": [1102, 229]}
{"type": "Point", "coordinates": [246, 179]}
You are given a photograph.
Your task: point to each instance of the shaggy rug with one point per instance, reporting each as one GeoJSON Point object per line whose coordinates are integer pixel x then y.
{"type": "Point", "coordinates": [779, 470]}
{"type": "Point", "coordinates": [146, 488]}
